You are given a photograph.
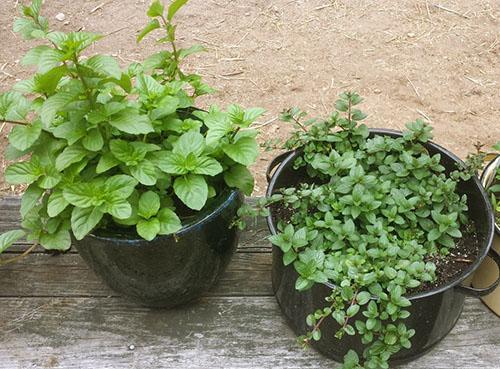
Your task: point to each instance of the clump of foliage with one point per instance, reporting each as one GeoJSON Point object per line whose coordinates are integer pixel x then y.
{"type": "Point", "coordinates": [490, 179]}
{"type": "Point", "coordinates": [375, 210]}
{"type": "Point", "coordinates": [494, 187]}
{"type": "Point", "coordinates": [495, 196]}
{"type": "Point", "coordinates": [105, 146]}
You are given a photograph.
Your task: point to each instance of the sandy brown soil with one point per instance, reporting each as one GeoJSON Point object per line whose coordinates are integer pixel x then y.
{"type": "Point", "coordinates": [436, 60]}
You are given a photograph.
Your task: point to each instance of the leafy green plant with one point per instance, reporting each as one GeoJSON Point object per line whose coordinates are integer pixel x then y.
{"type": "Point", "coordinates": [365, 222]}
{"type": "Point", "coordinates": [494, 189]}
{"type": "Point", "coordinates": [495, 195]}
{"type": "Point", "coordinates": [105, 146]}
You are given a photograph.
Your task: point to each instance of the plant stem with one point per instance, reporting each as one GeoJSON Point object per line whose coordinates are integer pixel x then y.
{"type": "Point", "coordinates": [233, 135]}
{"type": "Point", "coordinates": [172, 43]}
{"type": "Point", "coordinates": [349, 114]}
{"type": "Point", "coordinates": [299, 124]}
{"type": "Point", "coordinates": [18, 257]}
{"type": "Point", "coordinates": [352, 303]}
{"type": "Point", "coordinates": [82, 79]}
{"type": "Point", "coordinates": [14, 122]}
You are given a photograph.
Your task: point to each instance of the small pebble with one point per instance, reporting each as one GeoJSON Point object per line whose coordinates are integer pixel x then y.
{"type": "Point", "coordinates": [131, 347]}
{"type": "Point", "coordinates": [60, 17]}
{"type": "Point", "coordinates": [411, 34]}
{"type": "Point", "coordinates": [66, 23]}
{"type": "Point", "coordinates": [377, 91]}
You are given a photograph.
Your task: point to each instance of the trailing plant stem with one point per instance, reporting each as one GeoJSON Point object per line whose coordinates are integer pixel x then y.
{"type": "Point", "coordinates": [15, 122]}
{"type": "Point", "coordinates": [18, 257]}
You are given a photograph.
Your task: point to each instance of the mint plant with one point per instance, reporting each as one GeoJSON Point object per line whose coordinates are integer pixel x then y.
{"type": "Point", "coordinates": [494, 189]}
{"type": "Point", "coordinates": [105, 146]}
{"type": "Point", "coordinates": [494, 192]}
{"type": "Point", "coordinates": [368, 223]}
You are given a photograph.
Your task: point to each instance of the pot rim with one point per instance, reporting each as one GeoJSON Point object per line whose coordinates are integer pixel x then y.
{"type": "Point", "coordinates": [488, 178]}
{"type": "Point", "coordinates": [453, 282]}
{"type": "Point", "coordinates": [227, 196]}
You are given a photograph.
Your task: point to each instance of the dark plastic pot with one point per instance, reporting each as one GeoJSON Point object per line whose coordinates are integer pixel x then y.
{"type": "Point", "coordinates": [433, 313]}
{"type": "Point", "coordinates": [169, 270]}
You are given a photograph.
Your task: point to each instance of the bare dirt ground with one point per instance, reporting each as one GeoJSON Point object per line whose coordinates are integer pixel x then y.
{"type": "Point", "coordinates": [435, 60]}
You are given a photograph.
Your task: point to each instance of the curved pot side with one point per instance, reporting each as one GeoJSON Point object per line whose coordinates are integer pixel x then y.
{"type": "Point", "coordinates": [167, 271]}
{"type": "Point", "coordinates": [433, 313]}
{"type": "Point", "coordinates": [432, 317]}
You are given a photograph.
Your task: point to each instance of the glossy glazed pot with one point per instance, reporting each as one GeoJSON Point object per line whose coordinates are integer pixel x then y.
{"type": "Point", "coordinates": [433, 313]}
{"type": "Point", "coordinates": [170, 270]}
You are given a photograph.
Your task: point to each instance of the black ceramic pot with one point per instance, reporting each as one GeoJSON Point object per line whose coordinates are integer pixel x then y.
{"type": "Point", "coordinates": [433, 313]}
{"type": "Point", "coordinates": [169, 270]}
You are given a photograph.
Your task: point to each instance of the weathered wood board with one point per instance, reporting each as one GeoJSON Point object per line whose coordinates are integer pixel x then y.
{"type": "Point", "coordinates": [55, 313]}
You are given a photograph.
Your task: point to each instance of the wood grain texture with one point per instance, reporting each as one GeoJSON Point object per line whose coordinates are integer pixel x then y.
{"type": "Point", "coordinates": [55, 313]}
{"type": "Point", "coordinates": [218, 332]}
{"type": "Point", "coordinates": [41, 275]}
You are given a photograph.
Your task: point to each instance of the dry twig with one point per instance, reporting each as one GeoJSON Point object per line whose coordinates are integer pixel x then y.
{"type": "Point", "coordinates": [450, 11]}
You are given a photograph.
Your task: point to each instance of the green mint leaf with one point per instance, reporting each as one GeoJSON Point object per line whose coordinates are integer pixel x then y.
{"type": "Point", "coordinates": [23, 172]}
{"type": "Point", "coordinates": [207, 166]}
{"type": "Point", "coordinates": [238, 176]}
{"type": "Point", "coordinates": [244, 151]}
{"type": "Point", "coordinates": [71, 131]}
{"type": "Point", "coordinates": [118, 208]}
{"type": "Point", "coordinates": [53, 105]}
{"type": "Point", "coordinates": [30, 198]}
{"type": "Point", "coordinates": [50, 177]}
{"type": "Point", "coordinates": [104, 65]}
{"type": "Point", "coordinates": [251, 115]}
{"type": "Point", "coordinates": [131, 121]}
{"type": "Point", "coordinates": [84, 220]}
{"type": "Point", "coordinates": [120, 185]}
{"type": "Point", "coordinates": [81, 195]}
{"type": "Point", "coordinates": [183, 53]}
{"type": "Point", "coordinates": [149, 204]}
{"type": "Point", "coordinates": [130, 153]}
{"type": "Point", "coordinates": [60, 240]}
{"type": "Point", "coordinates": [190, 143]}
{"type": "Point", "coordinates": [192, 190]}
{"type": "Point", "coordinates": [47, 82]}
{"type": "Point", "coordinates": [168, 105]}
{"type": "Point", "coordinates": [56, 204]}
{"type": "Point", "coordinates": [169, 221]}
{"type": "Point", "coordinates": [174, 8]}
{"type": "Point", "coordinates": [7, 239]}
{"type": "Point", "coordinates": [351, 359]}
{"type": "Point", "coordinates": [13, 106]}
{"type": "Point", "coordinates": [172, 163]}
{"type": "Point", "coordinates": [151, 26]}
{"type": "Point", "coordinates": [302, 284]}
{"type": "Point", "coordinates": [32, 57]}
{"type": "Point", "coordinates": [434, 234]}
{"type": "Point", "coordinates": [106, 162]}
{"type": "Point", "coordinates": [93, 141]}
{"type": "Point", "coordinates": [70, 155]}
{"type": "Point", "coordinates": [145, 172]}
{"type": "Point", "coordinates": [218, 124]}
{"type": "Point", "coordinates": [155, 9]}
{"type": "Point", "coordinates": [148, 229]}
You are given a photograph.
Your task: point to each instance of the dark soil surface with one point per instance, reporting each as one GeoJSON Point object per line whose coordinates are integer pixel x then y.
{"type": "Point", "coordinates": [448, 267]}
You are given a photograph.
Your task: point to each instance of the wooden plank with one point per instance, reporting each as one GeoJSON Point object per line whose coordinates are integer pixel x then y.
{"type": "Point", "coordinates": [219, 332]}
{"type": "Point", "coordinates": [253, 239]}
{"type": "Point", "coordinates": [68, 275]}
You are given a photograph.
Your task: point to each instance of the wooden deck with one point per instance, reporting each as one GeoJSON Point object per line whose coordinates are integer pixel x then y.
{"type": "Point", "coordinates": [55, 313]}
